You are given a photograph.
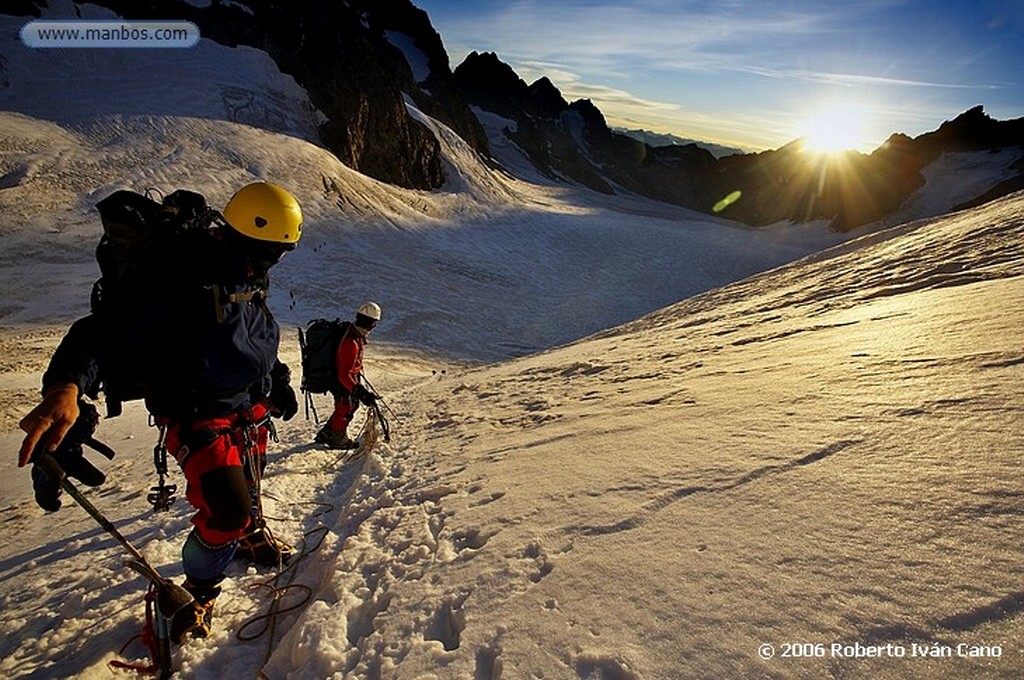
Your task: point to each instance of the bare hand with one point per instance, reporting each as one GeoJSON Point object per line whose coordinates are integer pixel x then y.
{"type": "Point", "coordinates": [49, 421]}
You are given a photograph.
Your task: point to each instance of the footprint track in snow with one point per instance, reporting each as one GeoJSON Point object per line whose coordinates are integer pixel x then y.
{"type": "Point", "coordinates": [651, 508]}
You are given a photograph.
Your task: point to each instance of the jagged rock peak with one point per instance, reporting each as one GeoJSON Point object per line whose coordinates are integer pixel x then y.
{"type": "Point", "coordinates": [485, 72]}
{"type": "Point", "coordinates": [547, 100]}
{"type": "Point", "coordinates": [973, 116]}
{"type": "Point", "coordinates": [898, 139]}
{"type": "Point", "coordinates": [974, 129]}
{"type": "Point", "coordinates": [589, 112]}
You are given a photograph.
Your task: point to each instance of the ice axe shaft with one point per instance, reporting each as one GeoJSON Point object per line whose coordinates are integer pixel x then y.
{"type": "Point", "coordinates": [170, 597]}
{"type": "Point", "coordinates": [54, 471]}
{"type": "Point", "coordinates": [138, 562]}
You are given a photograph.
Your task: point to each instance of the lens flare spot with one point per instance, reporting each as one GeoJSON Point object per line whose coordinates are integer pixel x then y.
{"type": "Point", "coordinates": [727, 201]}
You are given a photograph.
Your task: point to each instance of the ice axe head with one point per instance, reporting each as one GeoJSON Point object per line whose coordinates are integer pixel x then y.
{"type": "Point", "coordinates": [170, 598]}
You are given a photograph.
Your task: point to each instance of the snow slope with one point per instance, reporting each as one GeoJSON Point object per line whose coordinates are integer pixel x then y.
{"type": "Point", "coordinates": [828, 454]}
{"type": "Point", "coordinates": [824, 454]}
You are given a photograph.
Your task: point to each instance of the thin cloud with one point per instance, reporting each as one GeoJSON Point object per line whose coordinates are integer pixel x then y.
{"type": "Point", "coordinates": [856, 79]}
{"type": "Point", "coordinates": [573, 87]}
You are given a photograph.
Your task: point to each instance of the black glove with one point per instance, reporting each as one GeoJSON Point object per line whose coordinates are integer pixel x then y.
{"type": "Point", "coordinates": [70, 459]}
{"type": "Point", "coordinates": [364, 396]}
{"type": "Point", "coordinates": [282, 398]}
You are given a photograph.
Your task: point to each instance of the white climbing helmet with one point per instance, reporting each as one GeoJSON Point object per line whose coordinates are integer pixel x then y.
{"type": "Point", "coordinates": [369, 309]}
{"type": "Point", "coordinates": [368, 315]}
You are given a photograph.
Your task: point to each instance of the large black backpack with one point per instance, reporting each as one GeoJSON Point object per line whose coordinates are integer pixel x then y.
{"type": "Point", "coordinates": [140, 238]}
{"type": "Point", "coordinates": [148, 251]}
{"type": "Point", "coordinates": [319, 344]}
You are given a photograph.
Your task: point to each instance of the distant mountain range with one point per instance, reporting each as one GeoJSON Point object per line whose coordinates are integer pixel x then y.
{"type": "Point", "coordinates": [360, 59]}
{"type": "Point", "coordinates": [572, 141]}
{"type": "Point", "coordinates": [666, 139]}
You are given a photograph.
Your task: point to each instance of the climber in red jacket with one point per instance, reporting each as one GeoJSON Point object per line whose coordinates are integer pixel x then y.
{"type": "Point", "coordinates": [349, 392]}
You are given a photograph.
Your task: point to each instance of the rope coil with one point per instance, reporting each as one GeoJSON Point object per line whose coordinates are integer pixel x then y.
{"type": "Point", "coordinates": [281, 584]}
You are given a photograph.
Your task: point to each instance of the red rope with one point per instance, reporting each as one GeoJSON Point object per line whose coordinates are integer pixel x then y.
{"type": "Point", "coordinates": [148, 637]}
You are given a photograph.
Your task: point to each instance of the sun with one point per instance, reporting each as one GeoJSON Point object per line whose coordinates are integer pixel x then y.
{"type": "Point", "coordinates": [836, 127]}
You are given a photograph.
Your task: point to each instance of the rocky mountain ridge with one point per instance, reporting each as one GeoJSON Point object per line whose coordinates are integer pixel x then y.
{"type": "Point", "coordinates": [573, 141]}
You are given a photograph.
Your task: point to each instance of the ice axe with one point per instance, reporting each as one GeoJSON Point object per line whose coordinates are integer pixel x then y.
{"type": "Point", "coordinates": [378, 401]}
{"type": "Point", "coordinates": [169, 597]}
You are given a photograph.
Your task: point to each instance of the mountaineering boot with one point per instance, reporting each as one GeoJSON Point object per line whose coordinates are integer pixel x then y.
{"type": "Point", "coordinates": [260, 546]}
{"type": "Point", "coordinates": [335, 439]}
{"type": "Point", "coordinates": [194, 619]}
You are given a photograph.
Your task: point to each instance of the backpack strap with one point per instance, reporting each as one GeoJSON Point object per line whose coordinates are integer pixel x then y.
{"type": "Point", "coordinates": [256, 296]}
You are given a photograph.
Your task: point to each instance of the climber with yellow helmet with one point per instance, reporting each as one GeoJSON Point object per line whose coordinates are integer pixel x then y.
{"type": "Point", "coordinates": [180, 319]}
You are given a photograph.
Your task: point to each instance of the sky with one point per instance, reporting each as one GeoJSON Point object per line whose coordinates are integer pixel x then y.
{"type": "Point", "coordinates": [758, 74]}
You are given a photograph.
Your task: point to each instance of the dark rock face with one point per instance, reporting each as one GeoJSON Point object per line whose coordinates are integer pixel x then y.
{"type": "Point", "coordinates": [539, 114]}
{"type": "Point", "coordinates": [437, 95]}
{"type": "Point", "coordinates": [491, 84]}
{"type": "Point", "coordinates": [573, 141]}
{"type": "Point", "coordinates": [23, 8]}
{"type": "Point", "coordinates": [339, 52]}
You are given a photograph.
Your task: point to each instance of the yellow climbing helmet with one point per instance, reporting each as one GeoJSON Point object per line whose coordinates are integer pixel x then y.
{"type": "Point", "coordinates": [265, 212]}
